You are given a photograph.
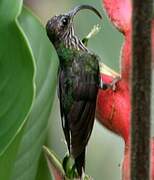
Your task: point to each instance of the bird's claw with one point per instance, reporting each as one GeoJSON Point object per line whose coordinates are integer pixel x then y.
{"type": "Point", "coordinates": [111, 85]}
{"type": "Point", "coordinates": [114, 82]}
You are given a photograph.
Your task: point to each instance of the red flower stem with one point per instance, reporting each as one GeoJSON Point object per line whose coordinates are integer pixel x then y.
{"type": "Point", "coordinates": [141, 89]}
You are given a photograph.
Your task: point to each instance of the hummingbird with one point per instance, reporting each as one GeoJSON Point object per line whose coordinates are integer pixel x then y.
{"type": "Point", "coordinates": [79, 81]}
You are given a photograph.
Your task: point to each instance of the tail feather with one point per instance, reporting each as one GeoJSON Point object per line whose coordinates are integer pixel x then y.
{"type": "Point", "coordinates": [80, 163]}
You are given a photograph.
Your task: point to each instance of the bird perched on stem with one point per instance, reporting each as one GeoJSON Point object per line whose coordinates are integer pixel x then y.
{"type": "Point", "coordinates": [78, 83]}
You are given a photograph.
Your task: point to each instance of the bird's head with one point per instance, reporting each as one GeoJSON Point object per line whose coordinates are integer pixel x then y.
{"type": "Point", "coordinates": [58, 26]}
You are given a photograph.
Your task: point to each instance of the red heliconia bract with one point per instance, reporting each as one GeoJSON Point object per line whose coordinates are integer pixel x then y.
{"type": "Point", "coordinates": [114, 107]}
{"type": "Point", "coordinates": [117, 104]}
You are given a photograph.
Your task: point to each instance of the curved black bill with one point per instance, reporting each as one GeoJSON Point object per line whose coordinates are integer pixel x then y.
{"type": "Point", "coordinates": [73, 12]}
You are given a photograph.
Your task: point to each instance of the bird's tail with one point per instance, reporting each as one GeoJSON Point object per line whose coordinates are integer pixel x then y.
{"type": "Point", "coordinates": [80, 163]}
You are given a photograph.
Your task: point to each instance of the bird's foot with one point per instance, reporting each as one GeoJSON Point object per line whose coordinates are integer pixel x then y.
{"type": "Point", "coordinates": [114, 82]}
{"type": "Point", "coordinates": [111, 85]}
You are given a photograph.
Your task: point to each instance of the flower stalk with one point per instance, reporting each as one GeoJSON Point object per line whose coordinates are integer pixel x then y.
{"type": "Point", "coordinates": [141, 89]}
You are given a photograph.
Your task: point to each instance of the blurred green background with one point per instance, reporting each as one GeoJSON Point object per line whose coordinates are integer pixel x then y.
{"type": "Point", "coordinates": [105, 150]}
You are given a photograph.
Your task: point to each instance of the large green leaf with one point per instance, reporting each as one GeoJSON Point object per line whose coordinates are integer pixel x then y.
{"type": "Point", "coordinates": [16, 73]}
{"type": "Point", "coordinates": [8, 158]}
{"type": "Point", "coordinates": [46, 77]}
{"type": "Point", "coordinates": [16, 83]}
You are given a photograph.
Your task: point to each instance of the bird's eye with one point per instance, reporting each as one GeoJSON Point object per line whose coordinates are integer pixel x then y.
{"type": "Point", "coordinates": [65, 21]}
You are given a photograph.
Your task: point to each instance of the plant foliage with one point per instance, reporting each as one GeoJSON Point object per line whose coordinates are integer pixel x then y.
{"type": "Point", "coordinates": [28, 71]}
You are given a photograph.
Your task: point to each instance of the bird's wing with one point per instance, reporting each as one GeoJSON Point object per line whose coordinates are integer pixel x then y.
{"type": "Point", "coordinates": [78, 89]}
{"type": "Point", "coordinates": [61, 95]}
{"type": "Point", "coordinates": [82, 110]}
{"type": "Point", "coordinates": [81, 120]}
{"type": "Point", "coordinates": [78, 119]}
